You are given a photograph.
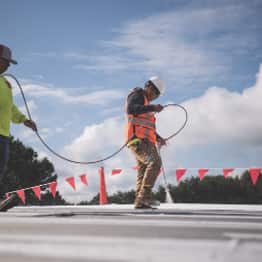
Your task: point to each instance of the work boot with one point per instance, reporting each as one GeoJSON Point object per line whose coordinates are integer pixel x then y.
{"type": "Point", "coordinates": [8, 202]}
{"type": "Point", "coordinates": [142, 205]}
{"type": "Point", "coordinates": [144, 198]}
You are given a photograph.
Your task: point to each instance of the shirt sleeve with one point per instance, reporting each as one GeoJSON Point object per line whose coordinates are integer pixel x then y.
{"type": "Point", "coordinates": [17, 116]}
{"type": "Point", "coordinates": [135, 104]}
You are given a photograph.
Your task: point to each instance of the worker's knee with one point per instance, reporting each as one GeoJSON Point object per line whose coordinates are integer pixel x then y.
{"type": "Point", "coordinates": [156, 163]}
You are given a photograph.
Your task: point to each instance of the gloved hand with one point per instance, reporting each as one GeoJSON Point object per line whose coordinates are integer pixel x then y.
{"type": "Point", "coordinates": [158, 108]}
{"type": "Point", "coordinates": [161, 142]}
{"type": "Point", "coordinates": [31, 124]}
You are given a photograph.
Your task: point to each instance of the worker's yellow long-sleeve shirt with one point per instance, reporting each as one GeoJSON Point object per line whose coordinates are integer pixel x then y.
{"type": "Point", "coordinates": [8, 111]}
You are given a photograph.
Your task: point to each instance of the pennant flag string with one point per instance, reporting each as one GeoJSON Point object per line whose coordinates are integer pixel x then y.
{"type": "Point", "coordinates": [28, 188]}
{"type": "Point", "coordinates": [180, 172]}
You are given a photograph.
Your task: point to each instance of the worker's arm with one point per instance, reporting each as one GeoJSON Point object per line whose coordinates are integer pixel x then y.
{"type": "Point", "coordinates": [135, 104]}
{"type": "Point", "coordinates": [18, 118]}
{"type": "Point", "coordinates": [160, 140]}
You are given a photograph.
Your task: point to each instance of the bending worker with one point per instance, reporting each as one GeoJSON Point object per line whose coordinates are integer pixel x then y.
{"type": "Point", "coordinates": [8, 111]}
{"type": "Point", "coordinates": [142, 137]}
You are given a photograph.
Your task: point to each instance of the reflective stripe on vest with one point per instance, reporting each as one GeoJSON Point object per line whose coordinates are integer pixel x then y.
{"type": "Point", "coordinates": [142, 126]}
{"type": "Point", "coordinates": [142, 122]}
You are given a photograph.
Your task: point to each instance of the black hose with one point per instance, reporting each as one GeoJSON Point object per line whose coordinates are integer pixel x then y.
{"type": "Point", "coordinates": [184, 124]}
{"type": "Point", "coordinates": [86, 162]}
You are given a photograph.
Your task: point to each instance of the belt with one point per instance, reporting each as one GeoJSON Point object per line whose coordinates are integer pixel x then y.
{"type": "Point", "coordinates": [133, 141]}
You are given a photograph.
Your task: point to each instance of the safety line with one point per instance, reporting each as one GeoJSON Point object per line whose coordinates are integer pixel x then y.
{"type": "Point", "coordinates": [94, 161]}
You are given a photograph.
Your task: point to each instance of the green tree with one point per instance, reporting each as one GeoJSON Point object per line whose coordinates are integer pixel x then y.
{"type": "Point", "coordinates": [26, 170]}
{"type": "Point", "coordinates": [122, 197]}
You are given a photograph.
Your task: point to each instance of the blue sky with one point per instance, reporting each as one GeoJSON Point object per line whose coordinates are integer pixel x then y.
{"type": "Point", "coordinates": [79, 59]}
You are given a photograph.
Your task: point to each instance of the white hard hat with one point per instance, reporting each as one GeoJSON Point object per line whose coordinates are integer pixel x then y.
{"type": "Point", "coordinates": [158, 83]}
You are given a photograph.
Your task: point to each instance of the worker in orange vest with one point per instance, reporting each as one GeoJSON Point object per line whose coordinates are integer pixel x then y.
{"type": "Point", "coordinates": [142, 138]}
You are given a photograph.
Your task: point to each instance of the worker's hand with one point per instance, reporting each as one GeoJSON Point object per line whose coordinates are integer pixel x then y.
{"type": "Point", "coordinates": [161, 142]}
{"type": "Point", "coordinates": [158, 108]}
{"type": "Point", "coordinates": [31, 124]}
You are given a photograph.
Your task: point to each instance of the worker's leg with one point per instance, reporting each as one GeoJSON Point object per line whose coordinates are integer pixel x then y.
{"type": "Point", "coordinates": [147, 154]}
{"type": "Point", "coordinates": [4, 155]}
{"type": "Point", "coordinates": [140, 176]}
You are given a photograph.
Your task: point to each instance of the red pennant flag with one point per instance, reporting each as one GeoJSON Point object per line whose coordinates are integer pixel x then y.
{"type": "Point", "coordinates": [7, 195]}
{"type": "Point", "coordinates": [202, 173]}
{"type": "Point", "coordinates": [71, 182]}
{"type": "Point", "coordinates": [21, 194]}
{"type": "Point", "coordinates": [83, 179]}
{"type": "Point", "coordinates": [179, 173]}
{"type": "Point", "coordinates": [37, 191]}
{"type": "Point", "coordinates": [226, 171]}
{"type": "Point", "coordinates": [135, 167]}
{"type": "Point", "coordinates": [254, 174]}
{"type": "Point", "coordinates": [52, 187]}
{"type": "Point", "coordinates": [116, 171]}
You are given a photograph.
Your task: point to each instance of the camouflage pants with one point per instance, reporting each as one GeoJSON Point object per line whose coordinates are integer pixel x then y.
{"type": "Point", "coordinates": [149, 164]}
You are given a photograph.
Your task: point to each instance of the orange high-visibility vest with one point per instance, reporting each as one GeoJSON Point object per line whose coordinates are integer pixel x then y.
{"type": "Point", "coordinates": [141, 126]}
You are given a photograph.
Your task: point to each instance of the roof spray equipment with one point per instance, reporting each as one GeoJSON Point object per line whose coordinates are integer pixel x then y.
{"type": "Point", "coordinates": [157, 82]}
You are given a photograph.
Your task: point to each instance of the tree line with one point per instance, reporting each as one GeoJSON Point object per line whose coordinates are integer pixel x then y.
{"type": "Point", "coordinates": [212, 189]}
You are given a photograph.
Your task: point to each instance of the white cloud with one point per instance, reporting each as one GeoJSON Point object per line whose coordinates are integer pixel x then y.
{"type": "Point", "coordinates": [97, 138]}
{"type": "Point", "coordinates": [112, 110]}
{"type": "Point", "coordinates": [100, 97]}
{"type": "Point", "coordinates": [221, 116]}
{"type": "Point", "coordinates": [46, 132]}
{"type": "Point", "coordinates": [42, 155]}
{"type": "Point", "coordinates": [109, 63]}
{"type": "Point", "coordinates": [76, 56]}
{"type": "Point", "coordinates": [31, 106]}
{"type": "Point", "coordinates": [192, 44]}
{"type": "Point", "coordinates": [49, 54]}
{"type": "Point", "coordinates": [26, 134]}
{"type": "Point", "coordinates": [98, 141]}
